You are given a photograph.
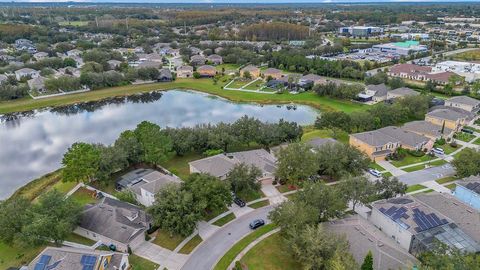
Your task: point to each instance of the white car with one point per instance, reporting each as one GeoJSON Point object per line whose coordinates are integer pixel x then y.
{"type": "Point", "coordinates": [375, 172]}
{"type": "Point", "coordinates": [438, 151]}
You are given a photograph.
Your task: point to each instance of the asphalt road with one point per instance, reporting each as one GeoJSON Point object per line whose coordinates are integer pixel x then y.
{"type": "Point", "coordinates": [430, 174]}
{"type": "Point", "coordinates": [211, 250]}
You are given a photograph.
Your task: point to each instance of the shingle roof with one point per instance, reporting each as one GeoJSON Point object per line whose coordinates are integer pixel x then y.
{"type": "Point", "coordinates": [404, 91]}
{"type": "Point", "coordinates": [425, 127]}
{"type": "Point", "coordinates": [390, 134]}
{"type": "Point", "coordinates": [464, 100]}
{"type": "Point", "coordinates": [115, 219]}
{"type": "Point", "coordinates": [447, 114]}
{"type": "Point", "coordinates": [379, 89]}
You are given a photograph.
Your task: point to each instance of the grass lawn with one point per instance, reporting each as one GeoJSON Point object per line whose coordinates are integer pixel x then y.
{"type": "Point", "coordinates": [416, 187]}
{"type": "Point", "coordinates": [323, 133]}
{"type": "Point", "coordinates": [446, 179]}
{"type": "Point", "coordinates": [437, 162]}
{"type": "Point", "coordinates": [83, 196]}
{"type": "Point", "coordinates": [462, 136]}
{"type": "Point", "coordinates": [414, 168]}
{"type": "Point", "coordinates": [38, 186]}
{"type": "Point", "coordinates": [270, 254]}
{"type": "Point", "coordinates": [259, 204]}
{"type": "Point", "coordinates": [139, 263]}
{"type": "Point", "coordinates": [203, 85]}
{"type": "Point", "coordinates": [227, 67]}
{"type": "Point", "coordinates": [164, 239]}
{"type": "Point", "coordinates": [459, 153]}
{"type": "Point", "coordinates": [473, 55]}
{"type": "Point", "coordinates": [375, 166]}
{"type": "Point", "coordinates": [178, 165]}
{"type": "Point", "coordinates": [224, 220]}
{"type": "Point", "coordinates": [73, 237]}
{"type": "Point", "coordinates": [250, 196]}
{"type": "Point", "coordinates": [64, 187]}
{"type": "Point", "coordinates": [477, 141]}
{"type": "Point", "coordinates": [387, 174]}
{"type": "Point", "coordinates": [409, 159]}
{"type": "Point", "coordinates": [12, 256]}
{"type": "Point", "coordinates": [195, 241]}
{"type": "Point", "coordinates": [447, 148]}
{"type": "Point", "coordinates": [213, 214]}
{"type": "Point", "coordinates": [255, 86]}
{"type": "Point", "coordinates": [285, 188]}
{"type": "Point", "coordinates": [241, 245]}
{"type": "Point", "coordinates": [451, 186]}
{"type": "Point", "coordinates": [239, 83]}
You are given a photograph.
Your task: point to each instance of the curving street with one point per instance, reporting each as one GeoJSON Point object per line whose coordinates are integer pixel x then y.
{"type": "Point", "coordinates": [211, 250]}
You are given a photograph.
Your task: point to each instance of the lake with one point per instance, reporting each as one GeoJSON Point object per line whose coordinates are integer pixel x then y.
{"type": "Point", "coordinates": [33, 143]}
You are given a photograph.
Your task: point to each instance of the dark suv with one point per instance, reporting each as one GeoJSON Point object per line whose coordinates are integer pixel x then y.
{"type": "Point", "coordinates": [239, 202]}
{"type": "Point", "coordinates": [256, 223]}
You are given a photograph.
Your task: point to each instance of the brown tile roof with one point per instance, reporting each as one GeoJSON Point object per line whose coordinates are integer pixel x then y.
{"type": "Point", "coordinates": [409, 69]}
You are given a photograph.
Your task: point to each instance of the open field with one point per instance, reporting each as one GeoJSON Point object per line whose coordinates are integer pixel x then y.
{"type": "Point", "coordinates": [467, 56]}
{"type": "Point", "coordinates": [203, 85]}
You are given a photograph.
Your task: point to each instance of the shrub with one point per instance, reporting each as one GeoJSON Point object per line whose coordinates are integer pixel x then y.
{"type": "Point", "coordinates": [212, 152]}
{"type": "Point", "coordinates": [416, 153]}
{"type": "Point", "coordinates": [454, 144]}
{"type": "Point", "coordinates": [440, 141]}
{"type": "Point", "coordinates": [147, 237]}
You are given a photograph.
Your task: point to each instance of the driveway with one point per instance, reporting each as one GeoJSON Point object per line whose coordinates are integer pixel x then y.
{"type": "Point", "coordinates": [430, 174]}
{"type": "Point", "coordinates": [159, 255]}
{"type": "Point", "coordinates": [274, 196]}
{"type": "Point", "coordinates": [211, 250]}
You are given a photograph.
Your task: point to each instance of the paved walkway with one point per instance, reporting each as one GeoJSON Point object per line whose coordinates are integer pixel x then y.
{"type": "Point", "coordinates": [239, 211]}
{"type": "Point", "coordinates": [162, 256]}
{"type": "Point", "coordinates": [274, 196]}
{"type": "Point", "coordinates": [205, 230]}
{"type": "Point", "coordinates": [390, 168]}
{"type": "Point", "coordinates": [437, 187]}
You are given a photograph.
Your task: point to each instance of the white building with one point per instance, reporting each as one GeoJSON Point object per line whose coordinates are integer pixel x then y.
{"type": "Point", "coordinates": [401, 48]}
{"type": "Point", "coordinates": [26, 72]}
{"type": "Point", "coordinates": [471, 71]}
{"type": "Point", "coordinates": [361, 31]}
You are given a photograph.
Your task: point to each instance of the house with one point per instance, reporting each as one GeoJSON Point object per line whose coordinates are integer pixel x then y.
{"type": "Point", "coordinates": [448, 117]}
{"type": "Point", "coordinates": [3, 78]}
{"type": "Point", "coordinates": [185, 72]}
{"type": "Point", "coordinates": [220, 165]}
{"type": "Point", "coordinates": [114, 64]}
{"type": "Point", "coordinates": [401, 93]}
{"type": "Point", "coordinates": [151, 57]}
{"type": "Point", "coordinates": [429, 130]}
{"type": "Point", "coordinates": [75, 72]}
{"type": "Point", "coordinates": [378, 144]}
{"type": "Point", "coordinates": [468, 191]}
{"type": "Point", "coordinates": [319, 142]}
{"type": "Point", "coordinates": [25, 45]}
{"type": "Point", "coordinates": [26, 73]}
{"type": "Point", "coordinates": [465, 103]}
{"type": "Point", "coordinates": [114, 222]}
{"type": "Point", "coordinates": [272, 73]}
{"type": "Point", "coordinates": [40, 55]}
{"type": "Point", "coordinates": [375, 93]}
{"type": "Point", "coordinates": [312, 79]}
{"type": "Point", "coordinates": [149, 64]}
{"type": "Point", "coordinates": [197, 60]}
{"type": "Point", "coordinates": [145, 183]}
{"type": "Point", "coordinates": [68, 258]}
{"type": "Point", "coordinates": [253, 70]}
{"type": "Point", "coordinates": [207, 71]}
{"type": "Point", "coordinates": [410, 71]}
{"type": "Point", "coordinates": [165, 75]}
{"type": "Point", "coordinates": [37, 84]}
{"type": "Point", "coordinates": [215, 59]}
{"type": "Point", "coordinates": [415, 226]}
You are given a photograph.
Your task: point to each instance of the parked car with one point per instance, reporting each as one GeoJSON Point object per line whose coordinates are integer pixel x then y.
{"type": "Point", "coordinates": [466, 130]}
{"type": "Point", "coordinates": [375, 172]}
{"type": "Point", "coordinates": [239, 202]}
{"type": "Point", "coordinates": [256, 223]}
{"type": "Point", "coordinates": [438, 151]}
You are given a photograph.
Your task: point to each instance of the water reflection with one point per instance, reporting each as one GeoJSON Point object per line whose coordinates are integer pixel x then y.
{"type": "Point", "coordinates": [32, 143]}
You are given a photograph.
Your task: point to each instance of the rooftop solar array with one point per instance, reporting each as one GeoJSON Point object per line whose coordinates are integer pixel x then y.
{"type": "Point", "coordinates": [396, 214]}
{"type": "Point", "coordinates": [88, 262]}
{"type": "Point", "coordinates": [426, 221]}
{"type": "Point", "coordinates": [475, 187]}
{"type": "Point", "coordinates": [43, 262]}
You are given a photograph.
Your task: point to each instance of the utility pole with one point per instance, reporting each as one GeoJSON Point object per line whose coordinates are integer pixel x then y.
{"type": "Point", "coordinates": [96, 21]}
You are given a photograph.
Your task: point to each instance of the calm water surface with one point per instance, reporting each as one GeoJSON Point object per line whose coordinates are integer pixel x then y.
{"type": "Point", "coordinates": [32, 144]}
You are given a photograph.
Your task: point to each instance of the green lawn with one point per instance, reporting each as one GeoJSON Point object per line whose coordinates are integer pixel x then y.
{"type": "Point", "coordinates": [228, 67]}
{"type": "Point", "coordinates": [437, 162]}
{"type": "Point", "coordinates": [190, 245]}
{"type": "Point", "coordinates": [73, 237]}
{"type": "Point", "coordinates": [139, 263]}
{"type": "Point", "coordinates": [203, 85]}
{"type": "Point", "coordinates": [13, 256]}
{"type": "Point", "coordinates": [459, 153]}
{"type": "Point", "coordinates": [414, 168]}
{"type": "Point", "coordinates": [224, 220]}
{"type": "Point", "coordinates": [250, 196]}
{"type": "Point", "coordinates": [477, 141]}
{"type": "Point", "coordinates": [387, 174]}
{"type": "Point", "coordinates": [446, 180]}
{"type": "Point", "coordinates": [84, 196]}
{"type": "Point", "coordinates": [241, 245]}
{"type": "Point", "coordinates": [416, 187]}
{"type": "Point", "coordinates": [462, 136]}
{"type": "Point", "coordinates": [239, 83]}
{"type": "Point", "coordinates": [255, 86]}
{"type": "Point", "coordinates": [211, 215]}
{"type": "Point", "coordinates": [270, 254]}
{"type": "Point", "coordinates": [375, 166]}
{"type": "Point", "coordinates": [323, 133]}
{"type": "Point", "coordinates": [178, 165]}
{"type": "Point", "coordinates": [409, 159]}
{"type": "Point", "coordinates": [38, 186]}
{"type": "Point", "coordinates": [447, 148]}
{"type": "Point", "coordinates": [451, 186]}
{"type": "Point", "coordinates": [164, 239]}
{"type": "Point", "coordinates": [64, 187]}
{"type": "Point", "coordinates": [259, 204]}
{"type": "Point", "coordinates": [285, 188]}
{"type": "Point", "coordinates": [473, 55]}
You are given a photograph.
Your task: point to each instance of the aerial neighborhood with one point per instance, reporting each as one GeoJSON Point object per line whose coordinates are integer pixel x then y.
{"type": "Point", "coordinates": [200, 136]}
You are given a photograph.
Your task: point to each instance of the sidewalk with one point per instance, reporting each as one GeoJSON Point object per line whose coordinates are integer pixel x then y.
{"type": "Point", "coordinates": [273, 195]}
{"type": "Point", "coordinates": [390, 168]}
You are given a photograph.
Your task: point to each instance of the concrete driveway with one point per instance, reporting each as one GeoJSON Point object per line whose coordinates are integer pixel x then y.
{"type": "Point", "coordinates": [211, 250]}
{"type": "Point", "coordinates": [159, 255]}
{"type": "Point", "coordinates": [430, 174]}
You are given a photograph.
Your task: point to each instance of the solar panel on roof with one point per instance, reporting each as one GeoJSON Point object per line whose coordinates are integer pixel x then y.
{"type": "Point", "coordinates": [53, 265]}
{"type": "Point", "coordinates": [391, 210]}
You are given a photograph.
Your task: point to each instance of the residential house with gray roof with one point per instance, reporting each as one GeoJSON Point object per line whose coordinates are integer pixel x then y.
{"type": "Point", "coordinates": [37, 84]}
{"type": "Point", "coordinates": [68, 258]}
{"type": "Point", "coordinates": [374, 93]}
{"type": "Point", "coordinates": [220, 165]}
{"type": "Point", "coordinates": [145, 183]}
{"type": "Point", "coordinates": [428, 129]}
{"type": "Point", "coordinates": [465, 103]}
{"type": "Point", "coordinates": [452, 118]}
{"type": "Point", "coordinates": [114, 222]}
{"type": "Point", "coordinates": [401, 93]}
{"type": "Point", "coordinates": [26, 72]}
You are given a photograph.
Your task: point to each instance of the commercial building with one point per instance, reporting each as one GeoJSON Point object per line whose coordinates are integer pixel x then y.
{"type": "Point", "coordinates": [471, 71]}
{"type": "Point", "coordinates": [360, 31]}
{"type": "Point", "coordinates": [401, 48]}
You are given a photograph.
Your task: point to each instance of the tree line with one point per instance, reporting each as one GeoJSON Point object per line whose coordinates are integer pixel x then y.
{"type": "Point", "coordinates": [274, 31]}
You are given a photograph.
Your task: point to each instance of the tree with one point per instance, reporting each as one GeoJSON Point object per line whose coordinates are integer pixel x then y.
{"type": "Point", "coordinates": [443, 257]}
{"type": "Point", "coordinates": [112, 159]}
{"type": "Point", "coordinates": [293, 215]}
{"type": "Point", "coordinates": [209, 193]}
{"type": "Point", "coordinates": [338, 159]}
{"type": "Point", "coordinates": [356, 190]}
{"type": "Point", "coordinates": [396, 82]}
{"type": "Point", "coordinates": [243, 178]}
{"type": "Point", "coordinates": [315, 247]}
{"type": "Point", "coordinates": [389, 187]}
{"type": "Point", "coordinates": [466, 162]}
{"type": "Point", "coordinates": [156, 146]}
{"type": "Point", "coordinates": [247, 74]}
{"type": "Point", "coordinates": [334, 120]}
{"type": "Point", "coordinates": [81, 162]}
{"type": "Point", "coordinates": [296, 163]}
{"type": "Point", "coordinates": [13, 216]}
{"type": "Point", "coordinates": [126, 195]}
{"type": "Point", "coordinates": [367, 262]}
{"type": "Point", "coordinates": [53, 218]}
{"type": "Point", "coordinates": [129, 144]}
{"type": "Point", "coordinates": [175, 210]}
